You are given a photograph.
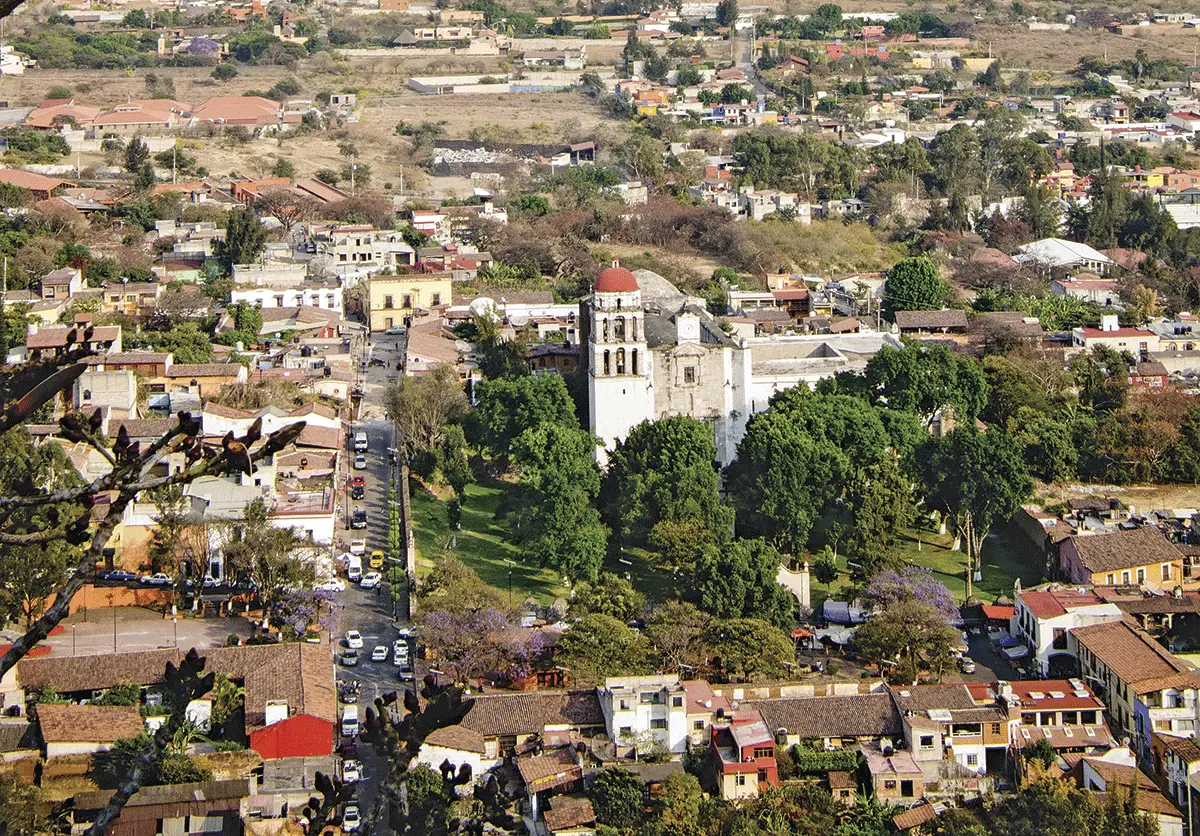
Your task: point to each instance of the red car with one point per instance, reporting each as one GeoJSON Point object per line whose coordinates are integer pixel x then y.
{"type": "Point", "coordinates": [358, 482]}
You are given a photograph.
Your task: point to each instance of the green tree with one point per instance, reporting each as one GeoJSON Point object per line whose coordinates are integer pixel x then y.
{"type": "Point", "coordinates": [619, 798]}
{"type": "Point", "coordinates": [1041, 752]}
{"type": "Point", "coordinates": [976, 479]}
{"type": "Point", "coordinates": [609, 594]}
{"type": "Point", "coordinates": [551, 512]}
{"type": "Point", "coordinates": [665, 471]}
{"type": "Point", "coordinates": [727, 12]}
{"type": "Point", "coordinates": [228, 699]}
{"type": "Point", "coordinates": [913, 634]}
{"type": "Point", "coordinates": [283, 168]}
{"type": "Point", "coordinates": [677, 630]}
{"type": "Point", "coordinates": [455, 460]}
{"type": "Point", "coordinates": [599, 645]}
{"type": "Point", "coordinates": [738, 580]}
{"type": "Point", "coordinates": [913, 284]}
{"type": "Point", "coordinates": [678, 803]}
{"type": "Point", "coordinates": [825, 568]}
{"type": "Point", "coordinates": [225, 72]}
{"type": "Point", "coordinates": [23, 809]}
{"type": "Point", "coordinates": [921, 378]}
{"type": "Point", "coordinates": [509, 406]}
{"type": "Point", "coordinates": [826, 18]}
{"type": "Point", "coordinates": [273, 558]}
{"type": "Point", "coordinates": [880, 501]}
{"type": "Point", "coordinates": [247, 318]}
{"type": "Point", "coordinates": [424, 407]}
{"type": "Point", "coordinates": [136, 155]}
{"type": "Point", "coordinates": [244, 240]}
{"type": "Point", "coordinates": [752, 648]}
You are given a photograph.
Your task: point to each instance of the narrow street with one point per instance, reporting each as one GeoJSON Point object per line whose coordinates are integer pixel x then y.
{"type": "Point", "coordinates": [370, 611]}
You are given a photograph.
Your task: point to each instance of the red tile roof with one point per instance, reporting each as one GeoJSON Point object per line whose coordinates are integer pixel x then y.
{"type": "Point", "coordinates": [30, 180]}
{"type": "Point", "coordinates": [1056, 602]}
{"type": "Point", "coordinates": [89, 723]}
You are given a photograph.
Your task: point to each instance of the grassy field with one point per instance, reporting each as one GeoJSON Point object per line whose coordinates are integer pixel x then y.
{"type": "Point", "coordinates": [480, 544]}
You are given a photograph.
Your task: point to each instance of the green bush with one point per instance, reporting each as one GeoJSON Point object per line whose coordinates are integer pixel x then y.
{"type": "Point", "coordinates": [817, 761]}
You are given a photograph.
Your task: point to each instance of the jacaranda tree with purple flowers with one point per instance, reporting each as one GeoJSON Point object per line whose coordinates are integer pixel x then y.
{"type": "Point", "coordinates": [912, 583]}
{"type": "Point", "coordinates": [486, 643]}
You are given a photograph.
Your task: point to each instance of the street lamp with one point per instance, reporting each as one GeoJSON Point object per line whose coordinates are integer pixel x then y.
{"type": "Point", "coordinates": [175, 627]}
{"type": "Point", "coordinates": [72, 639]}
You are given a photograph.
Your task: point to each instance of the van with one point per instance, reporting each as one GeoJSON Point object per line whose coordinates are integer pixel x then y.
{"type": "Point", "coordinates": [350, 721]}
{"type": "Point", "coordinates": [360, 442]}
{"type": "Point", "coordinates": [354, 568]}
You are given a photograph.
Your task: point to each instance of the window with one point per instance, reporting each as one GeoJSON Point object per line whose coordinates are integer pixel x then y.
{"type": "Point", "coordinates": [889, 785]}
{"type": "Point", "coordinates": [607, 363]}
{"type": "Point", "coordinates": [659, 723]}
{"type": "Point", "coordinates": [1087, 718]}
{"type": "Point", "coordinates": [624, 705]}
{"type": "Point", "coordinates": [995, 728]}
{"type": "Point", "coordinates": [1166, 571]}
{"type": "Point", "coordinates": [605, 323]}
{"type": "Point", "coordinates": [698, 725]}
{"type": "Point", "coordinates": [620, 361]}
{"type": "Point", "coordinates": [689, 374]}
{"type": "Point", "coordinates": [437, 299]}
{"type": "Point", "coordinates": [972, 760]}
{"type": "Point", "coordinates": [633, 362]}
{"type": "Point", "coordinates": [677, 702]}
{"type": "Point", "coordinates": [764, 751]}
{"type": "Point", "coordinates": [619, 329]}
{"type": "Point", "coordinates": [1141, 575]}
{"type": "Point", "coordinates": [1110, 579]}
{"type": "Point", "coordinates": [387, 302]}
{"type": "Point", "coordinates": [407, 301]}
{"type": "Point", "coordinates": [1124, 577]}
{"type": "Point", "coordinates": [927, 741]}
{"type": "Point", "coordinates": [626, 731]}
{"type": "Point", "coordinates": [741, 781]}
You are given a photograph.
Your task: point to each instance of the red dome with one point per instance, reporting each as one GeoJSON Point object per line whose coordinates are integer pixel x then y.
{"type": "Point", "coordinates": [615, 280]}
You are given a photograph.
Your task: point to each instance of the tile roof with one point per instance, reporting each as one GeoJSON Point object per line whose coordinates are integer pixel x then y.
{"type": "Point", "coordinates": [30, 180]}
{"type": "Point", "coordinates": [1135, 658]}
{"type": "Point", "coordinates": [1185, 748]}
{"type": "Point", "coordinates": [89, 723]}
{"type": "Point", "coordinates": [862, 715]}
{"type": "Point", "coordinates": [566, 813]}
{"type": "Point", "coordinates": [1070, 737]}
{"type": "Point", "coordinates": [530, 713]}
{"type": "Point", "coordinates": [555, 768]}
{"type": "Point", "coordinates": [205, 370]}
{"type": "Point", "coordinates": [1053, 694]}
{"type": "Point", "coordinates": [170, 794]}
{"type": "Point", "coordinates": [914, 817]}
{"type": "Point", "coordinates": [239, 110]}
{"type": "Point", "coordinates": [926, 697]}
{"type": "Point", "coordinates": [300, 673]}
{"type": "Point", "coordinates": [55, 336]}
{"type": "Point", "coordinates": [328, 438]}
{"type": "Point", "coordinates": [1052, 603]}
{"type": "Point", "coordinates": [141, 427]}
{"type": "Point", "coordinates": [459, 738]}
{"type": "Point", "coordinates": [842, 780]}
{"type": "Point", "coordinates": [1123, 549]}
{"type": "Point", "coordinates": [930, 319]}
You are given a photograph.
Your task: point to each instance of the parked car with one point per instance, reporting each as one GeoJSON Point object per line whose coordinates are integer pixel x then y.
{"type": "Point", "coordinates": [209, 582]}
{"type": "Point", "coordinates": [360, 462]}
{"type": "Point", "coordinates": [370, 580]}
{"type": "Point", "coordinates": [118, 575]}
{"type": "Point", "coordinates": [400, 655]}
{"type": "Point", "coordinates": [359, 520]}
{"type": "Point", "coordinates": [351, 771]}
{"type": "Point", "coordinates": [396, 331]}
{"type": "Point", "coordinates": [332, 585]}
{"type": "Point", "coordinates": [359, 482]}
{"type": "Point", "coordinates": [375, 361]}
{"type": "Point", "coordinates": [377, 559]}
{"type": "Point", "coordinates": [351, 821]}
{"type": "Point", "coordinates": [358, 547]}
{"type": "Point", "coordinates": [404, 672]}
{"type": "Point", "coordinates": [966, 664]}
{"type": "Point", "coordinates": [358, 492]}
{"type": "Point", "coordinates": [350, 658]}
{"type": "Point", "coordinates": [380, 653]}
{"type": "Point", "coordinates": [354, 639]}
{"type": "Point", "coordinates": [157, 579]}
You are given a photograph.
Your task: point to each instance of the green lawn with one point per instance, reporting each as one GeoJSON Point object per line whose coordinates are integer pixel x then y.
{"type": "Point", "coordinates": [1005, 558]}
{"type": "Point", "coordinates": [480, 544]}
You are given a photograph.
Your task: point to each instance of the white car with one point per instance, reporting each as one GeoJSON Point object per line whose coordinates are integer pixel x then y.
{"type": "Point", "coordinates": [360, 462]}
{"type": "Point", "coordinates": [358, 547]}
{"type": "Point", "coordinates": [396, 330]}
{"type": "Point", "coordinates": [157, 579]}
{"type": "Point", "coordinates": [332, 585]}
{"type": "Point", "coordinates": [351, 771]}
{"type": "Point", "coordinates": [400, 655]}
{"type": "Point", "coordinates": [351, 821]}
{"type": "Point", "coordinates": [370, 580]}
{"type": "Point", "coordinates": [354, 640]}
{"type": "Point", "coordinates": [380, 653]}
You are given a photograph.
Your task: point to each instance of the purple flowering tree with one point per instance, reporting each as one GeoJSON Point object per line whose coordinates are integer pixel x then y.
{"type": "Point", "coordinates": [912, 583]}
{"type": "Point", "coordinates": [484, 643]}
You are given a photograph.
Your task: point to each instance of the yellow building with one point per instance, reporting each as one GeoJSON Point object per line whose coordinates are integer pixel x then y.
{"type": "Point", "coordinates": [395, 300]}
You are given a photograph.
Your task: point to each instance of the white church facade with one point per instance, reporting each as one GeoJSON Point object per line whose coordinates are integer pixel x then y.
{"type": "Point", "coordinates": [653, 351]}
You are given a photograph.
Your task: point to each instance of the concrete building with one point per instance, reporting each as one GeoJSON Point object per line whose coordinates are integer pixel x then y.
{"type": "Point", "coordinates": [1110, 334]}
{"type": "Point", "coordinates": [1044, 617]}
{"type": "Point", "coordinates": [640, 711]}
{"type": "Point", "coordinates": [397, 300]}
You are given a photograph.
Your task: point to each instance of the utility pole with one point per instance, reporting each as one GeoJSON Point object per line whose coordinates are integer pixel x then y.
{"type": "Point", "coordinates": [174, 166]}
{"type": "Point", "coordinates": [401, 179]}
{"type": "Point", "coordinates": [353, 165]}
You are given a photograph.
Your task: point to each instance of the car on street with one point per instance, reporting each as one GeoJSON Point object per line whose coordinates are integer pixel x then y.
{"type": "Point", "coordinates": [375, 361]}
{"type": "Point", "coordinates": [377, 559]}
{"type": "Point", "coordinates": [351, 771]}
{"type": "Point", "coordinates": [380, 653]}
{"type": "Point", "coordinates": [359, 520]}
{"type": "Point", "coordinates": [360, 462]}
{"type": "Point", "coordinates": [351, 821]}
{"type": "Point", "coordinates": [332, 585]}
{"type": "Point", "coordinates": [118, 575]}
{"type": "Point", "coordinates": [358, 547]}
{"type": "Point", "coordinates": [405, 632]}
{"type": "Point", "coordinates": [404, 672]}
{"type": "Point", "coordinates": [209, 582]}
{"type": "Point", "coordinates": [966, 664]}
{"type": "Point", "coordinates": [370, 580]}
{"type": "Point", "coordinates": [354, 639]}
{"type": "Point", "coordinates": [350, 658]}
{"type": "Point", "coordinates": [400, 655]}
{"type": "Point", "coordinates": [359, 481]}
{"type": "Point", "coordinates": [358, 492]}
{"type": "Point", "coordinates": [157, 579]}
{"type": "Point", "coordinates": [396, 331]}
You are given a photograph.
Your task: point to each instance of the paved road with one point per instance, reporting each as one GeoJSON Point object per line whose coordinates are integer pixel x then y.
{"type": "Point", "coordinates": [745, 61]}
{"type": "Point", "coordinates": [371, 611]}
